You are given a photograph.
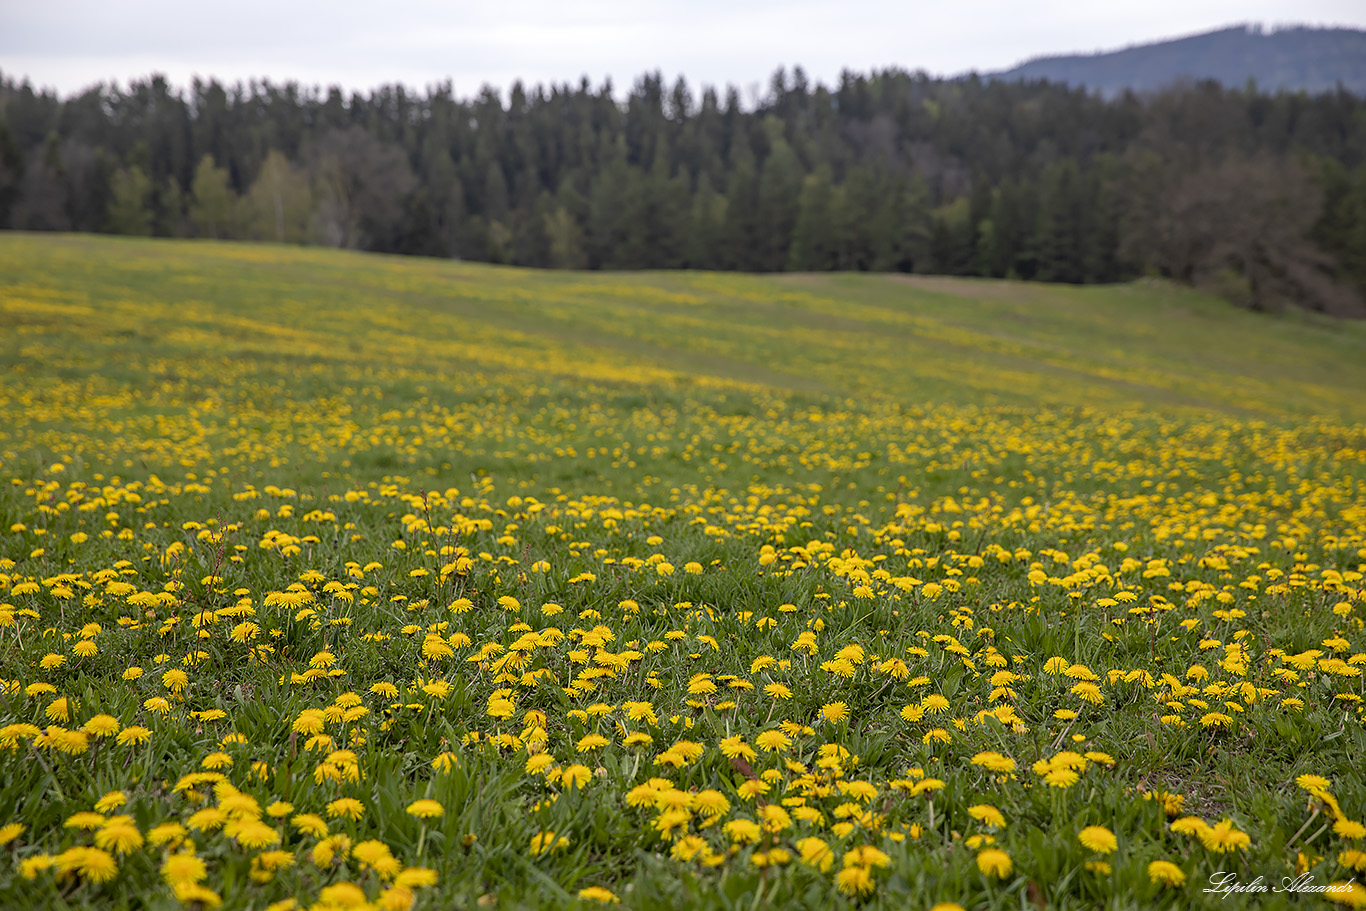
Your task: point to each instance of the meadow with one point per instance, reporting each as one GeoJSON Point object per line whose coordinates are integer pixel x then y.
{"type": "Point", "coordinates": [331, 581]}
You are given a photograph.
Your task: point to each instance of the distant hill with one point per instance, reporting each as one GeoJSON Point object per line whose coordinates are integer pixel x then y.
{"type": "Point", "coordinates": [1308, 59]}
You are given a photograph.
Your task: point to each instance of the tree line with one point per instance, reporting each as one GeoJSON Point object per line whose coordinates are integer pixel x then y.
{"type": "Point", "coordinates": [1262, 197]}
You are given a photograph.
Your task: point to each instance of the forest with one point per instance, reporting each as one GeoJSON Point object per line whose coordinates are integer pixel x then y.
{"type": "Point", "coordinates": [1259, 197]}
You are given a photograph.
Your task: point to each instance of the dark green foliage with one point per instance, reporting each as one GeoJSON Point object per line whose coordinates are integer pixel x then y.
{"type": "Point", "coordinates": [815, 235]}
{"type": "Point", "coordinates": [11, 170]}
{"type": "Point", "coordinates": [889, 171]}
{"type": "Point", "coordinates": [1342, 229]}
{"type": "Point", "coordinates": [130, 209]}
{"type": "Point", "coordinates": [212, 201]}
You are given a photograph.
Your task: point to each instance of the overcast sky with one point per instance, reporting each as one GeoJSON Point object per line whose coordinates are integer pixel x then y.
{"type": "Point", "coordinates": [69, 45]}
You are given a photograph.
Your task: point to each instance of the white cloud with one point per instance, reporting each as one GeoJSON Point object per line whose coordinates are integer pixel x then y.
{"type": "Point", "coordinates": [69, 45]}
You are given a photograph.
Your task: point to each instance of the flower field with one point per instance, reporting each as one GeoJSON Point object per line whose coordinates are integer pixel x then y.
{"type": "Point", "coordinates": [333, 581]}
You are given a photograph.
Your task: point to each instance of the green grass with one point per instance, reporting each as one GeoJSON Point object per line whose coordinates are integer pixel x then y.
{"type": "Point", "coordinates": [245, 462]}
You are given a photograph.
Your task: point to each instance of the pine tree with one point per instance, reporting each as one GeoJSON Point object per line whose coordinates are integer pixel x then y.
{"type": "Point", "coordinates": [706, 228]}
{"type": "Point", "coordinates": [780, 185]}
{"type": "Point", "coordinates": [608, 232]}
{"type": "Point", "coordinates": [744, 230]}
{"type": "Point", "coordinates": [953, 238]}
{"type": "Point", "coordinates": [170, 210]}
{"type": "Point", "coordinates": [11, 171]}
{"type": "Point", "coordinates": [814, 245]}
{"type": "Point", "coordinates": [1062, 224]}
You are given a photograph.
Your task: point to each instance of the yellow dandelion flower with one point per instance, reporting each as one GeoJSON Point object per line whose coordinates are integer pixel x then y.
{"type": "Point", "coordinates": [1166, 873]}
{"type": "Point", "coordinates": [111, 801]}
{"type": "Point", "coordinates": [988, 815]}
{"type": "Point", "coordinates": [30, 867]}
{"type": "Point", "coordinates": [371, 852]}
{"type": "Point", "coordinates": [545, 842]}
{"type": "Point", "coordinates": [426, 809]}
{"type": "Point", "coordinates": [598, 893]}
{"type": "Point", "coordinates": [855, 881]}
{"type": "Point", "coordinates": [994, 762]}
{"type": "Point", "coordinates": [183, 868]}
{"type": "Point", "coordinates": [1223, 836]}
{"type": "Point", "coordinates": [591, 742]}
{"type": "Point", "coordinates": [866, 856]}
{"type": "Point", "coordinates": [815, 853]}
{"type": "Point", "coordinates": [1061, 778]}
{"type": "Point", "coordinates": [133, 735]}
{"type": "Point", "coordinates": [934, 703]}
{"type": "Point", "coordinates": [1352, 893]}
{"type": "Point", "coordinates": [121, 837]}
{"type": "Point", "coordinates": [1189, 825]}
{"type": "Point", "coordinates": [175, 680]}
{"type": "Point", "coordinates": [310, 823]}
{"type": "Point", "coordinates": [1349, 828]}
{"type": "Point", "coordinates": [1098, 839]}
{"type": "Point", "coordinates": [167, 833]}
{"type": "Point", "coordinates": [91, 864]}
{"type": "Point", "coordinates": [85, 820]}
{"type": "Point", "coordinates": [253, 834]}
{"type": "Point", "coordinates": [576, 776]}
{"type": "Point", "coordinates": [349, 807]}
{"type": "Point", "coordinates": [743, 831]}
{"type": "Point", "coordinates": [342, 895]}
{"type": "Point", "coordinates": [422, 878]}
{"type": "Point", "coordinates": [994, 862]}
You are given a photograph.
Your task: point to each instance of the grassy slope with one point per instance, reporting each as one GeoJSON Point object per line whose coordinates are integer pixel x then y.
{"type": "Point", "coordinates": [909, 340]}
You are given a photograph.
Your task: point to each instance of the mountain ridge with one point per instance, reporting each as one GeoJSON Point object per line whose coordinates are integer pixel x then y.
{"type": "Point", "coordinates": [1289, 58]}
